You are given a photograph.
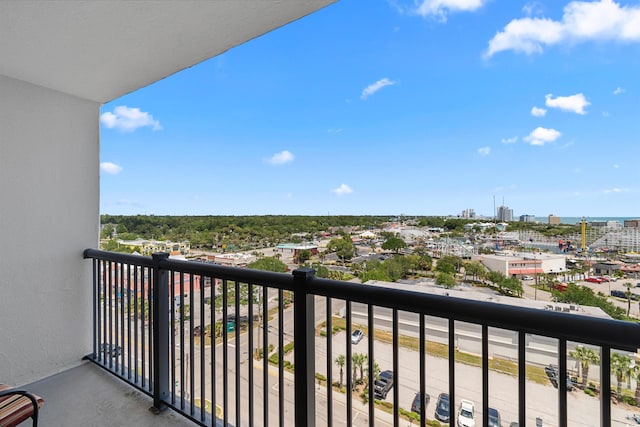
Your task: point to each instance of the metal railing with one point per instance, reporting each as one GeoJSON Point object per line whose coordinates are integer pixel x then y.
{"type": "Point", "coordinates": [214, 343]}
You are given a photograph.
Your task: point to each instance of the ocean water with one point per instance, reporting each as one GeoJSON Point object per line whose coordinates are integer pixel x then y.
{"type": "Point", "coordinates": [577, 219]}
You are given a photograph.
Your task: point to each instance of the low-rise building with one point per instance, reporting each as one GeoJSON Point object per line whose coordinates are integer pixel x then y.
{"type": "Point", "coordinates": [515, 264]}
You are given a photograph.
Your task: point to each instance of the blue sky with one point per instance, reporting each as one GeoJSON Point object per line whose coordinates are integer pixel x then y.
{"type": "Point", "coordinates": [407, 107]}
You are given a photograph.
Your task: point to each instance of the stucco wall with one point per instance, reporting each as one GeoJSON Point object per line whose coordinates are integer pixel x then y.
{"type": "Point", "coordinates": [49, 213]}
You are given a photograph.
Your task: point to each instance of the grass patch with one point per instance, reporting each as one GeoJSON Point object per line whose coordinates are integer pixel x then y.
{"type": "Point", "coordinates": [508, 367]}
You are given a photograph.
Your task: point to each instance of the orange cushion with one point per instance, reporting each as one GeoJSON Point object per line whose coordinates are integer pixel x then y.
{"type": "Point", "coordinates": [15, 408]}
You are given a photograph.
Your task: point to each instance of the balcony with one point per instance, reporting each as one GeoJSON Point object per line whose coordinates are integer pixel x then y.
{"type": "Point", "coordinates": [152, 329]}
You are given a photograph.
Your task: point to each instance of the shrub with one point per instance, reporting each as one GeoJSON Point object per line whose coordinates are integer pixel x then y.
{"type": "Point", "coordinates": [589, 392]}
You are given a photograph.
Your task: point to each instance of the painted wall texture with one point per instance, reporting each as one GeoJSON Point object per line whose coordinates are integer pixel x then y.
{"type": "Point", "coordinates": [49, 213]}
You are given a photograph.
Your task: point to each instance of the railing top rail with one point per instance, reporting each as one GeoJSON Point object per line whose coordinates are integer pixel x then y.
{"type": "Point", "coordinates": [572, 327]}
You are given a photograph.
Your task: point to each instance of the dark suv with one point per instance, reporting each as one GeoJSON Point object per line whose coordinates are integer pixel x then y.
{"type": "Point", "coordinates": [383, 384]}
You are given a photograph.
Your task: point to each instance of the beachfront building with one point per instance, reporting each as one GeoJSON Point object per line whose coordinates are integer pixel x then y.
{"type": "Point", "coordinates": [504, 213]}
{"type": "Point", "coordinates": [527, 218]}
{"type": "Point", "coordinates": [553, 220]}
{"type": "Point", "coordinates": [514, 264]}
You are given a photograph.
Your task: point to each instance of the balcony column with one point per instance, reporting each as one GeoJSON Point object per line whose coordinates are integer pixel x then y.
{"type": "Point", "coordinates": [160, 304]}
{"type": "Point", "coordinates": [304, 356]}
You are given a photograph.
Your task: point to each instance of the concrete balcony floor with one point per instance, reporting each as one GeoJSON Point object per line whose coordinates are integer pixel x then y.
{"type": "Point", "coordinates": [90, 397]}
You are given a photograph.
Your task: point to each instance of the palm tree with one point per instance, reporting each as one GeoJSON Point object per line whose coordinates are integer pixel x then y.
{"type": "Point", "coordinates": [620, 367]}
{"type": "Point", "coordinates": [628, 294]}
{"type": "Point", "coordinates": [340, 360]}
{"type": "Point", "coordinates": [376, 371]}
{"type": "Point", "coordinates": [359, 360]}
{"type": "Point", "coordinates": [586, 357]}
{"type": "Point", "coordinates": [635, 374]}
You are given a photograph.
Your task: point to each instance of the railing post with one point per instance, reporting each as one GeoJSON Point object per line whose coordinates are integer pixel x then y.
{"type": "Point", "coordinates": [160, 325]}
{"type": "Point", "coordinates": [304, 355]}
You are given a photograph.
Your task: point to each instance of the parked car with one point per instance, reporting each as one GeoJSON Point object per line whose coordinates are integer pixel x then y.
{"type": "Point", "coordinates": [466, 414]}
{"type": "Point", "coordinates": [383, 384]}
{"type": "Point", "coordinates": [527, 277]}
{"type": "Point", "coordinates": [552, 373]}
{"type": "Point", "coordinates": [494, 418]}
{"type": "Point", "coordinates": [356, 336]}
{"type": "Point", "coordinates": [442, 408]}
{"type": "Point", "coordinates": [594, 280]}
{"type": "Point", "coordinates": [417, 402]}
{"type": "Point", "coordinates": [619, 294]}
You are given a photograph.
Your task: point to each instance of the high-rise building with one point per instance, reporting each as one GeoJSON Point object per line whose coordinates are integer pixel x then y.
{"type": "Point", "coordinates": [554, 220]}
{"type": "Point", "coordinates": [468, 213]}
{"type": "Point", "coordinates": [504, 213]}
{"type": "Point", "coordinates": [527, 218]}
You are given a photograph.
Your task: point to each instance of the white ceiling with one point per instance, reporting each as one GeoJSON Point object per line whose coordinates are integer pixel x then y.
{"type": "Point", "coordinates": [100, 50]}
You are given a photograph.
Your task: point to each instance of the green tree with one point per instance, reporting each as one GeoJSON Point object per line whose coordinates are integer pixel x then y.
{"type": "Point", "coordinates": [635, 374]}
{"type": "Point", "coordinates": [340, 361]}
{"type": "Point", "coordinates": [343, 247]}
{"type": "Point", "coordinates": [586, 357]}
{"type": "Point", "coordinates": [475, 269]}
{"type": "Point", "coordinates": [303, 256]}
{"type": "Point", "coordinates": [269, 264]}
{"type": "Point", "coordinates": [394, 244]}
{"type": "Point", "coordinates": [445, 279]}
{"type": "Point", "coordinates": [359, 360]}
{"type": "Point", "coordinates": [621, 368]}
{"type": "Point", "coordinates": [444, 265]}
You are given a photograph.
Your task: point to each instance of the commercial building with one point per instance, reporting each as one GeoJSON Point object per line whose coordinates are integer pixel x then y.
{"type": "Point", "coordinates": [515, 264]}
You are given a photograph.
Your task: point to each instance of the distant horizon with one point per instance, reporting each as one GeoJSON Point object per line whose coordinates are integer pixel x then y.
{"type": "Point", "coordinates": [415, 106]}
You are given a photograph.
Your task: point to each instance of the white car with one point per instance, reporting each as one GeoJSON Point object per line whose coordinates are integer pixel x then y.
{"type": "Point", "coordinates": [465, 414]}
{"type": "Point", "coordinates": [356, 336]}
{"type": "Point", "coordinates": [527, 278]}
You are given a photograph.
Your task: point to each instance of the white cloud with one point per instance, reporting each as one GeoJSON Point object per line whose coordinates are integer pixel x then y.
{"type": "Point", "coordinates": [342, 190]}
{"type": "Point", "coordinates": [511, 140]}
{"type": "Point", "coordinates": [618, 90]}
{"type": "Point", "coordinates": [532, 8]}
{"type": "Point", "coordinates": [582, 21]}
{"type": "Point", "coordinates": [373, 88]}
{"type": "Point", "coordinates": [616, 166]}
{"type": "Point", "coordinates": [606, 114]}
{"type": "Point", "coordinates": [574, 103]}
{"type": "Point", "coordinates": [541, 136]}
{"type": "Point", "coordinates": [615, 190]}
{"type": "Point", "coordinates": [128, 119]}
{"type": "Point", "coordinates": [110, 168]}
{"type": "Point", "coordinates": [281, 158]}
{"type": "Point", "coordinates": [484, 151]}
{"type": "Point", "coordinates": [440, 8]}
{"type": "Point", "coordinates": [538, 112]}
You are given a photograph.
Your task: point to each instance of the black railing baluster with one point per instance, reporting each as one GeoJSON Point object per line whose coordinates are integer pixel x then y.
{"type": "Point", "coordinates": [237, 351]}
{"type": "Point", "coordinates": [329, 330]}
{"type": "Point", "coordinates": [225, 352]}
{"type": "Point", "coordinates": [371, 363]}
{"type": "Point", "coordinates": [396, 371]}
{"type": "Point", "coordinates": [203, 406]}
{"type": "Point", "coordinates": [562, 382]}
{"type": "Point", "coordinates": [172, 337]}
{"type": "Point", "coordinates": [522, 376]}
{"type": "Point", "coordinates": [485, 375]}
{"type": "Point", "coordinates": [423, 372]}
{"type": "Point", "coordinates": [304, 355]}
{"type": "Point", "coordinates": [160, 335]}
{"type": "Point", "coordinates": [265, 355]}
{"type": "Point", "coordinates": [214, 340]}
{"type": "Point", "coordinates": [605, 386]}
{"type": "Point", "coordinates": [250, 293]}
{"type": "Point", "coordinates": [136, 325]}
{"type": "Point", "coordinates": [281, 357]}
{"type": "Point", "coordinates": [192, 347]}
{"type": "Point", "coordinates": [452, 369]}
{"type": "Point", "coordinates": [349, 363]}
